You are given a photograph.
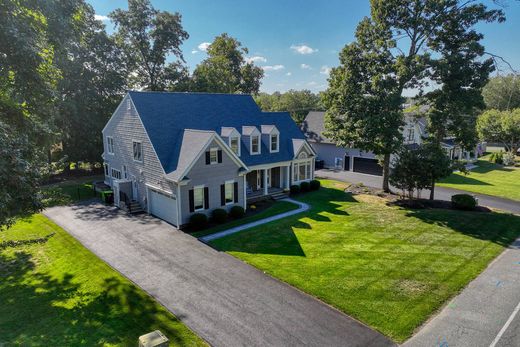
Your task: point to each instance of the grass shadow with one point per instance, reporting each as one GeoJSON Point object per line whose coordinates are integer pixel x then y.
{"type": "Point", "coordinates": [38, 309]}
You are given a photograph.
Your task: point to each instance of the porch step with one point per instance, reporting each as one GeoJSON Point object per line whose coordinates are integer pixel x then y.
{"type": "Point", "coordinates": [279, 195]}
{"type": "Point", "coordinates": [134, 207]}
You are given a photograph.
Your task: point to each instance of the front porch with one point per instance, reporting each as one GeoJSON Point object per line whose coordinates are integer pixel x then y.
{"type": "Point", "coordinates": [270, 181]}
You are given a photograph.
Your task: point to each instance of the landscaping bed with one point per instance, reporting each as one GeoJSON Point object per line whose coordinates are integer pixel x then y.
{"type": "Point", "coordinates": [390, 267]}
{"type": "Point", "coordinates": [54, 292]}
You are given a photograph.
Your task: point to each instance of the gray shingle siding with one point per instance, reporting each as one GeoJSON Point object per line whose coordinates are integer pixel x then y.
{"type": "Point", "coordinates": [211, 176]}
{"type": "Point", "coordinates": [126, 127]}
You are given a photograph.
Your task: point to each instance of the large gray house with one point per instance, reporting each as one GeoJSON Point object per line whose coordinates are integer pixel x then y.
{"type": "Point", "coordinates": [353, 159]}
{"type": "Point", "coordinates": [175, 154]}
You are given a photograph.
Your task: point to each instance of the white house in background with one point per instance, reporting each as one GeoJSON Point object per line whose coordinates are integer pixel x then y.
{"type": "Point", "coordinates": [353, 159]}
{"type": "Point", "coordinates": [175, 154]}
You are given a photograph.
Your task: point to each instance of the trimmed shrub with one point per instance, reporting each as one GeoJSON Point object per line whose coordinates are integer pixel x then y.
{"type": "Point", "coordinates": [315, 185]}
{"type": "Point", "coordinates": [219, 215]}
{"type": "Point", "coordinates": [237, 212]}
{"type": "Point", "coordinates": [295, 189]}
{"type": "Point", "coordinates": [198, 221]}
{"type": "Point", "coordinates": [497, 157]}
{"type": "Point", "coordinates": [305, 186]}
{"type": "Point", "coordinates": [464, 202]}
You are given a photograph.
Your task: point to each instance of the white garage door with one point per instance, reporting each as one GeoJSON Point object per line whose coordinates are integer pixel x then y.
{"type": "Point", "coordinates": [163, 206]}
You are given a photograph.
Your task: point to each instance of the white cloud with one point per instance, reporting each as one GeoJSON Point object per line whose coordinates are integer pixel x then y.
{"type": "Point", "coordinates": [194, 51]}
{"type": "Point", "coordinates": [273, 67]}
{"type": "Point", "coordinates": [256, 59]}
{"type": "Point", "coordinates": [325, 70]}
{"type": "Point", "coordinates": [305, 66]}
{"type": "Point", "coordinates": [288, 74]}
{"type": "Point", "coordinates": [303, 49]}
{"type": "Point", "coordinates": [100, 17]}
{"type": "Point", "coordinates": [312, 83]}
{"type": "Point", "coordinates": [204, 46]}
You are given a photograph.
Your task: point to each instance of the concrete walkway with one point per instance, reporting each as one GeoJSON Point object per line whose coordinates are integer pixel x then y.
{"type": "Point", "coordinates": [302, 208]}
{"type": "Point", "coordinates": [484, 314]}
{"type": "Point", "coordinates": [224, 300]}
{"type": "Point", "coordinates": [441, 193]}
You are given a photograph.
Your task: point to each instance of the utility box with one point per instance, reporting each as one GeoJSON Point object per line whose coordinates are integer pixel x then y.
{"type": "Point", "coordinates": [154, 339]}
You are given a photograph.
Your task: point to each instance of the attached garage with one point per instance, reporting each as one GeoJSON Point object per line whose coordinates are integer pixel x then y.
{"type": "Point", "coordinates": [367, 166]}
{"type": "Point", "coordinates": [163, 205]}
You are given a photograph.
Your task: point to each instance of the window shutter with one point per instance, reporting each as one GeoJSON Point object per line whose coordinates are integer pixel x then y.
{"type": "Point", "coordinates": [192, 201]}
{"type": "Point", "coordinates": [222, 194]}
{"type": "Point", "coordinates": [206, 198]}
{"type": "Point", "coordinates": [235, 187]}
{"type": "Point", "coordinates": [207, 158]}
{"type": "Point", "coordinates": [219, 153]}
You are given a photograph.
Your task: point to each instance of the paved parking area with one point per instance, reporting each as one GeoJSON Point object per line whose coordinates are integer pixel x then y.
{"type": "Point", "coordinates": [225, 301]}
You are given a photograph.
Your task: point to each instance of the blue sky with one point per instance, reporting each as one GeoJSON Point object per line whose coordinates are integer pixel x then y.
{"type": "Point", "coordinates": [296, 41]}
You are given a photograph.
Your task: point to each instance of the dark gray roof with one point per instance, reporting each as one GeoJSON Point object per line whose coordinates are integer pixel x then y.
{"type": "Point", "coordinates": [313, 127]}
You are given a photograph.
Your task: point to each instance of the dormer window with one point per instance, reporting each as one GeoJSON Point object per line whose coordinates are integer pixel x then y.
{"type": "Point", "coordinates": [274, 143]}
{"type": "Point", "coordinates": [255, 144]}
{"type": "Point", "coordinates": [234, 144]}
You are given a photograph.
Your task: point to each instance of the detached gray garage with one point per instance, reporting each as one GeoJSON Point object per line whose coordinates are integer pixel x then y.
{"type": "Point", "coordinates": [163, 205]}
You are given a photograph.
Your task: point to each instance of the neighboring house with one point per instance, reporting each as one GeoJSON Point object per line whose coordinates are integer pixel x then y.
{"type": "Point", "coordinates": [180, 153]}
{"type": "Point", "coordinates": [356, 160]}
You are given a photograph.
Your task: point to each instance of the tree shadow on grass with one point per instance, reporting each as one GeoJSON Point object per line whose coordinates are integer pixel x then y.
{"type": "Point", "coordinates": [38, 309]}
{"type": "Point", "coordinates": [485, 167]}
{"type": "Point", "coordinates": [278, 237]}
{"type": "Point", "coordinates": [462, 179]}
{"type": "Point", "coordinates": [500, 228]}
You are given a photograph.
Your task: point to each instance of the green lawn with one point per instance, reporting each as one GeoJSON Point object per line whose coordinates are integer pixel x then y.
{"type": "Point", "coordinates": [489, 179]}
{"type": "Point", "coordinates": [54, 292]}
{"type": "Point", "coordinates": [69, 191]}
{"type": "Point", "coordinates": [389, 267]}
{"type": "Point", "coordinates": [277, 208]}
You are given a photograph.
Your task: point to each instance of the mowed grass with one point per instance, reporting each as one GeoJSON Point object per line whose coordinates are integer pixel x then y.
{"type": "Point", "coordinates": [389, 267]}
{"type": "Point", "coordinates": [54, 292]}
{"type": "Point", "coordinates": [67, 192]}
{"type": "Point", "coordinates": [277, 208]}
{"type": "Point", "coordinates": [487, 178]}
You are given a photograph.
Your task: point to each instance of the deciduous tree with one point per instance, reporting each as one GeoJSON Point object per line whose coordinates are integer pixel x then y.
{"type": "Point", "coordinates": [501, 126]}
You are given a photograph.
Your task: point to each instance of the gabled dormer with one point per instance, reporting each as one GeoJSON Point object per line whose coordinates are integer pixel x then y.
{"type": "Point", "coordinates": [271, 138]}
{"type": "Point", "coordinates": [232, 137]}
{"type": "Point", "coordinates": [252, 139]}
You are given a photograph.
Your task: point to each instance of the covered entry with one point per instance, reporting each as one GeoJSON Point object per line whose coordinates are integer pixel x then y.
{"type": "Point", "coordinates": [163, 205]}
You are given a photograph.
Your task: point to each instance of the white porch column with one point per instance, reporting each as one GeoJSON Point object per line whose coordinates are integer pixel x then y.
{"type": "Point", "coordinates": [265, 182]}
{"type": "Point", "coordinates": [287, 174]}
{"type": "Point", "coordinates": [467, 155]}
{"type": "Point", "coordinates": [313, 166]}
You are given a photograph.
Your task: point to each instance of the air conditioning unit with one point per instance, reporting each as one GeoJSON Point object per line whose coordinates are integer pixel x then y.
{"type": "Point", "coordinates": [154, 339]}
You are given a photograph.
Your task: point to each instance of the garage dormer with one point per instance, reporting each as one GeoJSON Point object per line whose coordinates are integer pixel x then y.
{"type": "Point", "coordinates": [252, 139]}
{"type": "Point", "coordinates": [271, 138]}
{"type": "Point", "coordinates": [232, 137]}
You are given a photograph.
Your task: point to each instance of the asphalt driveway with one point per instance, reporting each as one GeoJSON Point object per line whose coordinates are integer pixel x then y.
{"type": "Point", "coordinates": [441, 193]}
{"type": "Point", "coordinates": [225, 301]}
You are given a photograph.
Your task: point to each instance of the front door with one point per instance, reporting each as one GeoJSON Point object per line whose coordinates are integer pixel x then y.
{"type": "Point", "coordinates": [135, 190]}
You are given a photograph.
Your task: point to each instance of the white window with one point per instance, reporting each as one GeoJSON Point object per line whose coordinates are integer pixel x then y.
{"type": "Point", "coordinates": [213, 156]}
{"type": "Point", "coordinates": [107, 172]}
{"type": "Point", "coordinates": [198, 198]}
{"type": "Point", "coordinates": [255, 144]}
{"type": "Point", "coordinates": [110, 145]}
{"type": "Point", "coordinates": [234, 143]}
{"type": "Point", "coordinates": [116, 174]}
{"type": "Point", "coordinates": [411, 134]}
{"type": "Point", "coordinates": [274, 143]}
{"type": "Point", "coordinates": [138, 151]}
{"type": "Point", "coordinates": [229, 192]}
{"type": "Point", "coordinates": [125, 173]}
{"type": "Point", "coordinates": [302, 171]}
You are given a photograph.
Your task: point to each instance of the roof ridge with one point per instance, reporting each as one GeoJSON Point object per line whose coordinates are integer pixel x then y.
{"type": "Point", "coordinates": [183, 93]}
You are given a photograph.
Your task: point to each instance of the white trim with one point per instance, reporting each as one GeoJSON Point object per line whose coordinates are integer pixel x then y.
{"type": "Point", "coordinates": [268, 166]}
{"type": "Point", "coordinates": [245, 193]}
{"type": "Point", "coordinates": [133, 151]}
{"type": "Point", "coordinates": [251, 145]}
{"type": "Point", "coordinates": [238, 143]}
{"type": "Point", "coordinates": [108, 144]}
{"type": "Point", "coordinates": [277, 143]}
{"type": "Point", "coordinates": [159, 189]}
{"type": "Point", "coordinates": [305, 143]}
{"type": "Point", "coordinates": [213, 150]}
{"type": "Point", "coordinates": [203, 197]}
